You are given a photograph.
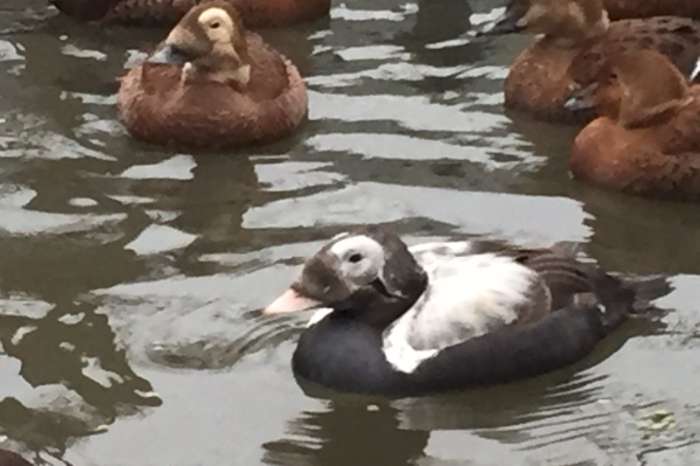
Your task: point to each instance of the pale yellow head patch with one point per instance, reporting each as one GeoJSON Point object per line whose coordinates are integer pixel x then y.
{"type": "Point", "coordinates": [217, 24]}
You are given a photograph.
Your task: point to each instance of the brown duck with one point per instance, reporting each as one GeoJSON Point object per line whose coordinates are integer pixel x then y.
{"type": "Point", "coordinates": [255, 13]}
{"type": "Point", "coordinates": [577, 39]}
{"type": "Point", "coordinates": [211, 84]}
{"type": "Point", "coordinates": [648, 141]}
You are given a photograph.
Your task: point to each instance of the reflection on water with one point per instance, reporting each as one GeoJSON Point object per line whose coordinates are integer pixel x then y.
{"type": "Point", "coordinates": [131, 275]}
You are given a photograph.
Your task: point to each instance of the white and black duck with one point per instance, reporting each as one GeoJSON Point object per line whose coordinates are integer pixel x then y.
{"type": "Point", "coordinates": [446, 316]}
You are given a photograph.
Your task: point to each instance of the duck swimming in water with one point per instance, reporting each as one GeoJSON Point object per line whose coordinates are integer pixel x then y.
{"type": "Point", "coordinates": [447, 316]}
{"type": "Point", "coordinates": [577, 38]}
{"type": "Point", "coordinates": [212, 84]}
{"type": "Point", "coordinates": [648, 140]}
{"type": "Point", "coordinates": [255, 13]}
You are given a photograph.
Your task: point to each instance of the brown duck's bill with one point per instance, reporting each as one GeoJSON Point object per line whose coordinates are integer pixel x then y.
{"type": "Point", "coordinates": [291, 301]}
{"type": "Point", "coordinates": [168, 55]}
{"type": "Point", "coordinates": [582, 99]}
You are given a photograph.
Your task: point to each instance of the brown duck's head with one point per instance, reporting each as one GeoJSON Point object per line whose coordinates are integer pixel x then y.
{"type": "Point", "coordinates": [596, 92]}
{"type": "Point", "coordinates": [567, 21]}
{"type": "Point", "coordinates": [87, 10]}
{"type": "Point", "coordinates": [651, 87]}
{"type": "Point", "coordinates": [210, 42]}
{"type": "Point", "coordinates": [643, 88]}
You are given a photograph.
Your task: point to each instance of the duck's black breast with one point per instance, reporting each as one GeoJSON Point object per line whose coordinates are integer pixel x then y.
{"type": "Point", "coordinates": [346, 355]}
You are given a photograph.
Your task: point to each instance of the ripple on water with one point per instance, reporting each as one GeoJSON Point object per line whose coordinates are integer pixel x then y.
{"type": "Point", "coordinates": [16, 219]}
{"type": "Point", "coordinates": [479, 213]}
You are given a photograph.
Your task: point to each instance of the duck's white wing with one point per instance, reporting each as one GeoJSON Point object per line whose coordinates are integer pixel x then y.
{"type": "Point", "coordinates": [468, 295]}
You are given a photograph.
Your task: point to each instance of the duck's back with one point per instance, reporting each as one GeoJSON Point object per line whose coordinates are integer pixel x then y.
{"type": "Point", "coordinates": [621, 9]}
{"type": "Point", "coordinates": [255, 13]}
{"type": "Point", "coordinates": [541, 78]}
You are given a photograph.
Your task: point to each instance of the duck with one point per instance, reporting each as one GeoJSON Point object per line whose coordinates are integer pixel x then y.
{"type": "Point", "coordinates": [255, 13]}
{"type": "Point", "coordinates": [647, 141]}
{"type": "Point", "coordinates": [576, 37]}
{"type": "Point", "coordinates": [211, 84]}
{"type": "Point", "coordinates": [621, 9]}
{"type": "Point", "coordinates": [443, 316]}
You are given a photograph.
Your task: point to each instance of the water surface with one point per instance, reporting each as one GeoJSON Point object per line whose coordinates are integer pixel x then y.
{"type": "Point", "coordinates": [131, 275]}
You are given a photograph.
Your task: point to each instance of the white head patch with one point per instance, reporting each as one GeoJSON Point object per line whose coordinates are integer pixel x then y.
{"type": "Point", "coordinates": [217, 23]}
{"type": "Point", "coordinates": [361, 259]}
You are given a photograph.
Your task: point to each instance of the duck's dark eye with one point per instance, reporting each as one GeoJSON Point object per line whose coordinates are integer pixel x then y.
{"type": "Point", "coordinates": [355, 258]}
{"type": "Point", "coordinates": [215, 25]}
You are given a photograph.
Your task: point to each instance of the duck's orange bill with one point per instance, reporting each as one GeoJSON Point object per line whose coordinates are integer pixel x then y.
{"type": "Point", "coordinates": [291, 301]}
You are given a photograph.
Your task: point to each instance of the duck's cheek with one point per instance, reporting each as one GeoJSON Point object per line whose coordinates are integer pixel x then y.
{"type": "Point", "coordinates": [291, 301]}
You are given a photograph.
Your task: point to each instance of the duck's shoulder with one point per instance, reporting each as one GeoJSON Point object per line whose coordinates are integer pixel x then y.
{"type": "Point", "coordinates": [271, 72]}
{"type": "Point", "coordinates": [676, 38]}
{"type": "Point", "coordinates": [656, 32]}
{"type": "Point", "coordinates": [538, 80]}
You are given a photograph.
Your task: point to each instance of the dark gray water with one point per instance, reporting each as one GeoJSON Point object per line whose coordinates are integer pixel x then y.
{"type": "Point", "coordinates": [130, 275]}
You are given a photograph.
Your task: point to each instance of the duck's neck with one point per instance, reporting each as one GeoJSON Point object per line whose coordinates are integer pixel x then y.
{"type": "Point", "coordinates": [576, 34]}
{"type": "Point", "coordinates": [379, 310]}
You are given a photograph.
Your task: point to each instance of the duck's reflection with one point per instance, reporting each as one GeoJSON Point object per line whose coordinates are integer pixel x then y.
{"type": "Point", "coordinates": [440, 20]}
{"type": "Point", "coordinates": [639, 235]}
{"type": "Point", "coordinates": [348, 433]}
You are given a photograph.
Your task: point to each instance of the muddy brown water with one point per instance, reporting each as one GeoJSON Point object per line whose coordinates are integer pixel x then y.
{"type": "Point", "coordinates": [130, 275]}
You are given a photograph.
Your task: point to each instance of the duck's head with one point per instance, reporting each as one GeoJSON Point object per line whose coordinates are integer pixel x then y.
{"type": "Point", "coordinates": [642, 88]}
{"type": "Point", "coordinates": [210, 42]}
{"type": "Point", "coordinates": [566, 21]}
{"type": "Point", "coordinates": [368, 274]}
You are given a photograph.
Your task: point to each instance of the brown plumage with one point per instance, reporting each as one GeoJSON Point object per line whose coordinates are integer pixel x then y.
{"type": "Point", "coordinates": [577, 39]}
{"type": "Point", "coordinates": [233, 90]}
{"type": "Point", "coordinates": [8, 458]}
{"type": "Point", "coordinates": [650, 142]}
{"type": "Point", "coordinates": [255, 13]}
{"type": "Point", "coordinates": [620, 9]}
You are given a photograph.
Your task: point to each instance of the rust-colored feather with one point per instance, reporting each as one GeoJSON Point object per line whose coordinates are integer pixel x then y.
{"type": "Point", "coordinates": [255, 13]}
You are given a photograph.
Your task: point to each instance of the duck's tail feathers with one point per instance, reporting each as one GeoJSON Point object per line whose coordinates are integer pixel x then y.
{"type": "Point", "coordinates": [621, 297]}
{"type": "Point", "coordinates": [646, 290]}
